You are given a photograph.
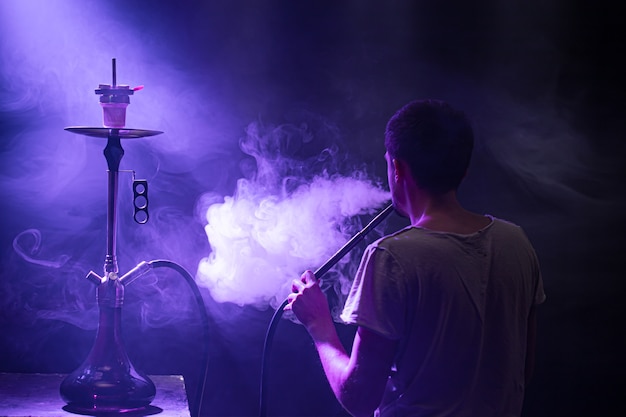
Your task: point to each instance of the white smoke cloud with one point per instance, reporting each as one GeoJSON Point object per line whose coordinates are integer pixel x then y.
{"type": "Point", "coordinates": [270, 231]}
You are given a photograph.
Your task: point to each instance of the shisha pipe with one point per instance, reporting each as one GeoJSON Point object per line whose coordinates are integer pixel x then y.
{"type": "Point", "coordinates": [107, 383]}
{"type": "Point", "coordinates": [322, 270]}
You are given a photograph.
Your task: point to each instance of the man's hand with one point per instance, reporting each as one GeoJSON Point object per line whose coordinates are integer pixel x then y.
{"type": "Point", "coordinates": [309, 304]}
{"type": "Point", "coordinates": [358, 381]}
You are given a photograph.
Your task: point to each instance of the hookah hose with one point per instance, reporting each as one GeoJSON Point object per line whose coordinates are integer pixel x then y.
{"type": "Point", "coordinates": [144, 267]}
{"type": "Point", "coordinates": [318, 274]}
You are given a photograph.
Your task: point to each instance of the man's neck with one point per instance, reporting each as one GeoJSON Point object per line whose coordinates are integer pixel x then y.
{"type": "Point", "coordinates": [445, 214]}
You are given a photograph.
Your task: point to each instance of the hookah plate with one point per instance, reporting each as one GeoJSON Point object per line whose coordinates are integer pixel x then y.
{"type": "Point", "coordinates": [105, 132]}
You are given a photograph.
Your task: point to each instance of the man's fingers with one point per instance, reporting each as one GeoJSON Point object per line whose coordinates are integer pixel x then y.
{"type": "Point", "coordinates": [290, 299]}
{"type": "Point", "coordinates": [297, 285]}
{"type": "Point", "coordinates": [308, 277]}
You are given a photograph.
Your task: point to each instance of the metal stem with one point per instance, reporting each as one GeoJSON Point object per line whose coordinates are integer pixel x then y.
{"type": "Point", "coordinates": [113, 153]}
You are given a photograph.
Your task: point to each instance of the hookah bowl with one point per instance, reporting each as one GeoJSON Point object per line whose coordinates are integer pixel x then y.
{"type": "Point", "coordinates": [107, 382]}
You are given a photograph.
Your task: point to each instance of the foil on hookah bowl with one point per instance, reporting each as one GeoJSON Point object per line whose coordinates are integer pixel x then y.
{"type": "Point", "coordinates": [114, 100]}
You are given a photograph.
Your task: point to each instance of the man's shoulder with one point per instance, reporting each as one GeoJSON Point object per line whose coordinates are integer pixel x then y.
{"type": "Point", "coordinates": [506, 226]}
{"type": "Point", "coordinates": [415, 236]}
{"type": "Point", "coordinates": [406, 236]}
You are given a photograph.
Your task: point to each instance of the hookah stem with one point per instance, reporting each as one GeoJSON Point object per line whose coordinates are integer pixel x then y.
{"type": "Point", "coordinates": [113, 153]}
{"type": "Point", "coordinates": [353, 241]}
{"type": "Point", "coordinates": [318, 274]}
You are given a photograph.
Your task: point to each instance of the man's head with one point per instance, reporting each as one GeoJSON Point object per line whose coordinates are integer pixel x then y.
{"type": "Point", "coordinates": [434, 140]}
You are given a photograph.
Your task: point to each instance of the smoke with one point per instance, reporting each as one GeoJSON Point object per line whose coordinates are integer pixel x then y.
{"type": "Point", "coordinates": [546, 155]}
{"type": "Point", "coordinates": [27, 254]}
{"type": "Point", "coordinates": [48, 284]}
{"type": "Point", "coordinates": [295, 202]}
{"type": "Point", "coordinates": [52, 57]}
{"type": "Point", "coordinates": [282, 220]}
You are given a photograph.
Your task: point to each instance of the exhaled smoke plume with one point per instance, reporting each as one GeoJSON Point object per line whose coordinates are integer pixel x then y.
{"type": "Point", "coordinates": [271, 230]}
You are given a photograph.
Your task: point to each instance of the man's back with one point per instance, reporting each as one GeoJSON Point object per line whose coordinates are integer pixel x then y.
{"type": "Point", "coordinates": [458, 304]}
{"type": "Point", "coordinates": [445, 305]}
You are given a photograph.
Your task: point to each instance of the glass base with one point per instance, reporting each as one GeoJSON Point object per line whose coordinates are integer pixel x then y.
{"type": "Point", "coordinates": [147, 410]}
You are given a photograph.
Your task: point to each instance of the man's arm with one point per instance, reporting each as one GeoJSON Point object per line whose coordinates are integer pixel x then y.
{"type": "Point", "coordinates": [357, 380]}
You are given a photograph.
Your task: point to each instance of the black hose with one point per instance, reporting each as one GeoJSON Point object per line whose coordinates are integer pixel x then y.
{"type": "Point", "coordinates": [318, 274]}
{"type": "Point", "coordinates": [205, 322]}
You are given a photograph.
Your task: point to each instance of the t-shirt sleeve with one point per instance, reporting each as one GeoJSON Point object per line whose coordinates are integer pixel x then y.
{"type": "Point", "coordinates": [377, 299]}
{"type": "Point", "coordinates": [534, 269]}
{"type": "Point", "coordinates": [540, 295]}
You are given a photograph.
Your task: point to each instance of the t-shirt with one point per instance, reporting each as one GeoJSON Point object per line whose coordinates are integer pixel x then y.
{"type": "Point", "coordinates": [459, 306]}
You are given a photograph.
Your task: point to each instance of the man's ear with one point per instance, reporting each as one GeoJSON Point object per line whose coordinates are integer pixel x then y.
{"type": "Point", "coordinates": [400, 169]}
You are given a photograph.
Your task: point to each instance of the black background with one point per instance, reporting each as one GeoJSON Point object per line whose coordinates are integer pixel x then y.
{"type": "Point", "coordinates": [541, 81]}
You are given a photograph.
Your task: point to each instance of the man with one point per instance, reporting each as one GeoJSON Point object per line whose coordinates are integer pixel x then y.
{"type": "Point", "coordinates": [445, 308]}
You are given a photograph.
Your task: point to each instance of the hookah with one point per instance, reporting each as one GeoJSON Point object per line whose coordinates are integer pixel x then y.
{"type": "Point", "coordinates": [107, 382]}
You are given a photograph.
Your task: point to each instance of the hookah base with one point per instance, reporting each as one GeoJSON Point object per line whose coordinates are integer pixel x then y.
{"type": "Point", "coordinates": [145, 410]}
{"type": "Point", "coordinates": [98, 393]}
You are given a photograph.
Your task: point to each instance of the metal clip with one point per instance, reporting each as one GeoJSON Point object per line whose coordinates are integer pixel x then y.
{"type": "Point", "coordinates": [140, 201]}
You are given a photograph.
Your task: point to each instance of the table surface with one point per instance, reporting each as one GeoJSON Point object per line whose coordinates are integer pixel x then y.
{"type": "Point", "coordinates": [37, 395]}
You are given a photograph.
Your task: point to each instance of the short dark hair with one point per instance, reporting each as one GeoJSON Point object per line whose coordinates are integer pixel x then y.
{"type": "Point", "coordinates": [435, 140]}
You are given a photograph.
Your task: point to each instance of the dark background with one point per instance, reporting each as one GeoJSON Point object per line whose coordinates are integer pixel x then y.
{"type": "Point", "coordinates": [540, 80]}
